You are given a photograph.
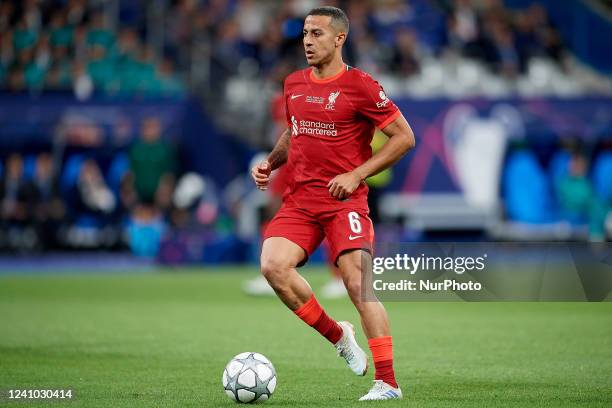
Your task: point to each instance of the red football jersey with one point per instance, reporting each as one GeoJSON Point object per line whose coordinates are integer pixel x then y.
{"type": "Point", "coordinates": [332, 122]}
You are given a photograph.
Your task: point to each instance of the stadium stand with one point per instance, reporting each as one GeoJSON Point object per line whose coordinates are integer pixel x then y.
{"type": "Point", "coordinates": [85, 75]}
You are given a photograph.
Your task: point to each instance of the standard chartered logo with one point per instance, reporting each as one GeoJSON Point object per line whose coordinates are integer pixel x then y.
{"type": "Point", "coordinates": [314, 128]}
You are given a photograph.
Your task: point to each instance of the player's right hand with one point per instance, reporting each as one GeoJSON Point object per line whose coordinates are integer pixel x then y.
{"type": "Point", "coordinates": [261, 174]}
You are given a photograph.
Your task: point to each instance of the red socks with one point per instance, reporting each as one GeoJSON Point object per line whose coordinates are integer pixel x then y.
{"type": "Point", "coordinates": [313, 315]}
{"type": "Point", "coordinates": [382, 354]}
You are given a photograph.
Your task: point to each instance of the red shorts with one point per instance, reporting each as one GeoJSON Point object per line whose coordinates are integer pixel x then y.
{"type": "Point", "coordinates": [344, 226]}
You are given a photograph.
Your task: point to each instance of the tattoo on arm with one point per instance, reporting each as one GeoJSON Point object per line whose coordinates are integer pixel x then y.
{"type": "Point", "coordinates": [279, 154]}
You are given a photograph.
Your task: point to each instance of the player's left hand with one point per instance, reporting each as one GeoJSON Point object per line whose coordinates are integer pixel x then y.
{"type": "Point", "coordinates": [343, 185]}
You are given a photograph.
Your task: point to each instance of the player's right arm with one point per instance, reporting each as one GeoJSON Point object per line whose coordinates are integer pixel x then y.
{"type": "Point", "coordinates": [278, 157]}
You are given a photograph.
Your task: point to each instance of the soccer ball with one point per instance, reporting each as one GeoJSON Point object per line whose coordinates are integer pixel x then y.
{"type": "Point", "coordinates": [249, 377]}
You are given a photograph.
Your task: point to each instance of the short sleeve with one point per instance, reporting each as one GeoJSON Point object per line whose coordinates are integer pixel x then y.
{"type": "Point", "coordinates": [374, 104]}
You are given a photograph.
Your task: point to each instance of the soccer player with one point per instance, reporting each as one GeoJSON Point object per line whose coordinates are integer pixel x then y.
{"type": "Point", "coordinates": [332, 111]}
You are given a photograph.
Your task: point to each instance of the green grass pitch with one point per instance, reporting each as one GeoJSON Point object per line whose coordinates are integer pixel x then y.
{"type": "Point", "coordinates": [162, 340]}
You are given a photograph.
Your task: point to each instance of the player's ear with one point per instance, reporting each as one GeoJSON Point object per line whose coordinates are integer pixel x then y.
{"type": "Point", "coordinates": [340, 39]}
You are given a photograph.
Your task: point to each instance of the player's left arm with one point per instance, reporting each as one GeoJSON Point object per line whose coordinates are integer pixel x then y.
{"type": "Point", "coordinates": [401, 140]}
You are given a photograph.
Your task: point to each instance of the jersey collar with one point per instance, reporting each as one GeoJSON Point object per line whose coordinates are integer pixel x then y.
{"type": "Point", "coordinates": [314, 79]}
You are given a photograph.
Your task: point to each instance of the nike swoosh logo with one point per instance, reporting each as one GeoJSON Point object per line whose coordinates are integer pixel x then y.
{"type": "Point", "coordinates": [295, 96]}
{"type": "Point", "coordinates": [352, 238]}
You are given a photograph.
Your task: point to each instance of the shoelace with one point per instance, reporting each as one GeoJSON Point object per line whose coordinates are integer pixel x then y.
{"type": "Point", "coordinates": [346, 352]}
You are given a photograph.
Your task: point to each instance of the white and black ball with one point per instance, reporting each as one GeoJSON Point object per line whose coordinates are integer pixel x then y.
{"type": "Point", "coordinates": [249, 377]}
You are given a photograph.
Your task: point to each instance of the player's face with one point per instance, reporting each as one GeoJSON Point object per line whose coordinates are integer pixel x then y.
{"type": "Point", "coordinates": [320, 40]}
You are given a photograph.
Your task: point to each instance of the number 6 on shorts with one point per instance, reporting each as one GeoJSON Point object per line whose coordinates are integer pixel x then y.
{"type": "Point", "coordinates": [354, 222]}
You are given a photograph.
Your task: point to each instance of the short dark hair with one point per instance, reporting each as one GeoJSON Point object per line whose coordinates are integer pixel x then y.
{"type": "Point", "coordinates": [338, 17]}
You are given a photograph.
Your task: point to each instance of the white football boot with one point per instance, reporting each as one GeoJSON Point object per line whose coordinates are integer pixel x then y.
{"type": "Point", "coordinates": [348, 349]}
{"type": "Point", "coordinates": [382, 391]}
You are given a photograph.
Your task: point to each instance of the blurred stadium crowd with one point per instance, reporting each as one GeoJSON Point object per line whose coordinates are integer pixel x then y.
{"type": "Point", "coordinates": [64, 45]}
{"type": "Point", "coordinates": [40, 202]}
{"type": "Point", "coordinates": [231, 52]}
{"type": "Point", "coordinates": [133, 47]}
{"type": "Point", "coordinates": [385, 36]}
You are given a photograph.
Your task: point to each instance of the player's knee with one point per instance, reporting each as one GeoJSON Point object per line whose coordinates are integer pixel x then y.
{"type": "Point", "coordinates": [351, 270]}
{"type": "Point", "coordinates": [353, 287]}
{"type": "Point", "coordinates": [274, 268]}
